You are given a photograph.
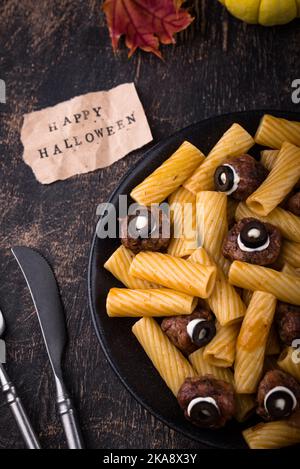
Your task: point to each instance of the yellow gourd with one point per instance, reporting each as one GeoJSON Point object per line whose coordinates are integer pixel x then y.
{"type": "Point", "coordinates": [265, 12]}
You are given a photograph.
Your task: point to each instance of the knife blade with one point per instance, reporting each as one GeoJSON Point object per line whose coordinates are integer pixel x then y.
{"type": "Point", "coordinates": [46, 298]}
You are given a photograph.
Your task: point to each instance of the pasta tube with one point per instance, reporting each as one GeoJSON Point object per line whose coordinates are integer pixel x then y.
{"type": "Point", "coordinates": [279, 183]}
{"type": "Point", "coordinates": [274, 131]}
{"type": "Point", "coordinates": [290, 270]}
{"type": "Point", "coordinates": [286, 222]}
{"type": "Point", "coordinates": [268, 158]}
{"type": "Point", "coordinates": [212, 222]}
{"type": "Point", "coordinates": [252, 341]}
{"type": "Point", "coordinates": [272, 435]}
{"type": "Point", "coordinates": [224, 264]}
{"type": "Point", "coordinates": [178, 248]}
{"type": "Point", "coordinates": [233, 143]}
{"type": "Point", "coordinates": [254, 277]}
{"type": "Point", "coordinates": [183, 217]}
{"type": "Point", "coordinates": [169, 176]}
{"type": "Point", "coordinates": [245, 404]}
{"type": "Point", "coordinates": [173, 272]}
{"type": "Point", "coordinates": [224, 300]}
{"type": "Point", "coordinates": [201, 256]}
{"type": "Point", "coordinates": [172, 366]}
{"type": "Point", "coordinates": [177, 200]}
{"type": "Point", "coordinates": [221, 350]}
{"type": "Point", "coordinates": [289, 361]}
{"type": "Point", "coordinates": [203, 367]}
{"type": "Point", "coordinates": [290, 253]}
{"type": "Point", "coordinates": [122, 302]}
{"type": "Point", "coordinates": [119, 263]}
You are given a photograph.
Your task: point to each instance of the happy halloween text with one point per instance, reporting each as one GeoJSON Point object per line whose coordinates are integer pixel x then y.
{"type": "Point", "coordinates": [94, 135]}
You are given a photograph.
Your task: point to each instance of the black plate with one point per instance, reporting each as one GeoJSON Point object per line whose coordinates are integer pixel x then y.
{"type": "Point", "coordinates": [121, 348]}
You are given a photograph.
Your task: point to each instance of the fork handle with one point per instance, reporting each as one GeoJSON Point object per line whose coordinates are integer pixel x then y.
{"type": "Point", "coordinates": [18, 411]}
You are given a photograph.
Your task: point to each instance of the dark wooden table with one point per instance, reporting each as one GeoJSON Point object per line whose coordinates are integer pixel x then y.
{"type": "Point", "coordinates": [50, 52]}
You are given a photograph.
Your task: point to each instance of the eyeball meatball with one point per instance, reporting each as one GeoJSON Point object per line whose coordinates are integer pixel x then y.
{"type": "Point", "coordinates": [288, 322]}
{"type": "Point", "coordinates": [278, 395]}
{"type": "Point", "coordinates": [253, 241]}
{"type": "Point", "coordinates": [207, 402]}
{"type": "Point", "coordinates": [239, 177]}
{"type": "Point", "coordinates": [189, 333]}
{"type": "Point", "coordinates": [147, 230]}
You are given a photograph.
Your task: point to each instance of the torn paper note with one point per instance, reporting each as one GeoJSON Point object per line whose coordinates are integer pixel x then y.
{"type": "Point", "coordinates": [86, 133]}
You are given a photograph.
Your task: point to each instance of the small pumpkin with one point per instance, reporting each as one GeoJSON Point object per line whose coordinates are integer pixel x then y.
{"type": "Point", "coordinates": [264, 12]}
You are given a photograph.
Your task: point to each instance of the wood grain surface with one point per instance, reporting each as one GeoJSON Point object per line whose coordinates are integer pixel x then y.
{"type": "Point", "coordinates": [50, 52]}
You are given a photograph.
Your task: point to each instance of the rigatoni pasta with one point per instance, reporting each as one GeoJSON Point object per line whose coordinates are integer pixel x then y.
{"type": "Point", "coordinates": [204, 367]}
{"type": "Point", "coordinates": [183, 218]}
{"type": "Point", "coordinates": [212, 221]}
{"type": "Point", "coordinates": [224, 300]}
{"type": "Point", "coordinates": [290, 270]}
{"type": "Point", "coordinates": [254, 277]}
{"type": "Point", "coordinates": [221, 350]}
{"type": "Point", "coordinates": [168, 361]}
{"type": "Point", "coordinates": [268, 158]}
{"type": "Point", "coordinates": [178, 247]}
{"type": "Point", "coordinates": [123, 302]}
{"type": "Point", "coordinates": [274, 131]}
{"type": "Point", "coordinates": [286, 222]}
{"type": "Point", "coordinates": [289, 361]}
{"type": "Point", "coordinates": [169, 176]}
{"type": "Point", "coordinates": [281, 180]}
{"type": "Point", "coordinates": [173, 272]}
{"type": "Point", "coordinates": [234, 142]}
{"type": "Point", "coordinates": [290, 253]}
{"type": "Point", "coordinates": [119, 264]}
{"type": "Point", "coordinates": [252, 341]}
{"type": "Point", "coordinates": [272, 435]}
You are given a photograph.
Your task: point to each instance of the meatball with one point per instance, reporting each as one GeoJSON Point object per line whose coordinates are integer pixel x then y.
{"type": "Point", "coordinates": [253, 241]}
{"type": "Point", "coordinates": [293, 204]}
{"type": "Point", "coordinates": [147, 230]}
{"type": "Point", "coordinates": [288, 322]}
{"type": "Point", "coordinates": [188, 333]}
{"type": "Point", "coordinates": [278, 395]}
{"type": "Point", "coordinates": [207, 402]}
{"type": "Point", "coordinates": [239, 177]}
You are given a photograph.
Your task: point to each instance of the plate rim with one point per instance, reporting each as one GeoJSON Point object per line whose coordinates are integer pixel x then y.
{"type": "Point", "coordinates": [93, 312]}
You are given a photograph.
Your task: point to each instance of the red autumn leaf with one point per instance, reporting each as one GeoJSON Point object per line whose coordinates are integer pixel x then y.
{"type": "Point", "coordinates": [145, 23]}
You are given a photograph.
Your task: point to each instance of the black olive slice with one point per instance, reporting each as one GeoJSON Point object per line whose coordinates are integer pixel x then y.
{"type": "Point", "coordinates": [141, 225]}
{"type": "Point", "coordinates": [203, 332]}
{"type": "Point", "coordinates": [203, 412]}
{"type": "Point", "coordinates": [254, 234]}
{"type": "Point", "coordinates": [224, 178]}
{"type": "Point", "coordinates": [280, 403]}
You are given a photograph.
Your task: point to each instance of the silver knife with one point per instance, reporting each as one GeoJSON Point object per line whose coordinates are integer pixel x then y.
{"type": "Point", "coordinates": [44, 291]}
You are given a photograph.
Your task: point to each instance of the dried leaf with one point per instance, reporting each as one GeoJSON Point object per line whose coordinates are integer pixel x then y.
{"type": "Point", "coordinates": [145, 23]}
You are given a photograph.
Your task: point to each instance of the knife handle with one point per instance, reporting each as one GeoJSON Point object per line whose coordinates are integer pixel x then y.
{"type": "Point", "coordinates": [70, 423]}
{"type": "Point", "coordinates": [18, 411]}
